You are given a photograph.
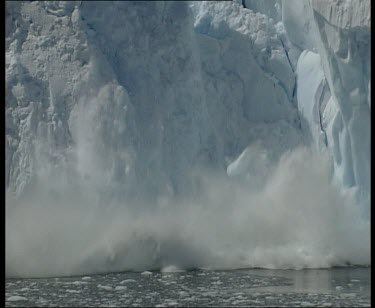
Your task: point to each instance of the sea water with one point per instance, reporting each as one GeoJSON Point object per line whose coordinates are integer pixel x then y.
{"type": "Point", "coordinates": [334, 287]}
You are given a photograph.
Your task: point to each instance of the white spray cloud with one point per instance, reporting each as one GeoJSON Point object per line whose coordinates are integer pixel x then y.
{"type": "Point", "coordinates": [296, 220]}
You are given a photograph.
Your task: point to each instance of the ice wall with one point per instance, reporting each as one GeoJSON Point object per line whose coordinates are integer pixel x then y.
{"type": "Point", "coordinates": [78, 108]}
{"type": "Point", "coordinates": [344, 45]}
{"type": "Point", "coordinates": [93, 102]}
{"type": "Point", "coordinates": [338, 32]}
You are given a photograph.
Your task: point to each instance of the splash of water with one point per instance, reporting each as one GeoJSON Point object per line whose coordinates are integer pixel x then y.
{"type": "Point", "coordinates": [296, 220]}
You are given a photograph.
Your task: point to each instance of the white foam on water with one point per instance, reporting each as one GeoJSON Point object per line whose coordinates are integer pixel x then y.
{"type": "Point", "coordinates": [171, 269]}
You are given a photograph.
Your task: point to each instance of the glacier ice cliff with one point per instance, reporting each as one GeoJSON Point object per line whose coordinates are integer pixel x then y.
{"type": "Point", "coordinates": [91, 105]}
{"type": "Point", "coordinates": [133, 102]}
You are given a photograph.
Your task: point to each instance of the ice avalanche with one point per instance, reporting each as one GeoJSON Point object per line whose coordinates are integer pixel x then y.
{"type": "Point", "coordinates": [146, 135]}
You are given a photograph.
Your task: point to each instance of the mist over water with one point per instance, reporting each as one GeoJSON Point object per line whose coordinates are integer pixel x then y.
{"type": "Point", "coordinates": [297, 219]}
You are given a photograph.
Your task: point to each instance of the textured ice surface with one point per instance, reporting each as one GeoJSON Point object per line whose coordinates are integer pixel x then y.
{"type": "Point", "coordinates": [339, 32]}
{"type": "Point", "coordinates": [76, 105]}
{"type": "Point", "coordinates": [344, 46]}
{"type": "Point", "coordinates": [312, 96]}
{"type": "Point", "coordinates": [76, 110]}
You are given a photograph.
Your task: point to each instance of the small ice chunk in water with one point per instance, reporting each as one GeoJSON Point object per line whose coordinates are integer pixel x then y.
{"type": "Point", "coordinates": [146, 273]}
{"type": "Point", "coordinates": [127, 280]}
{"type": "Point", "coordinates": [73, 291]}
{"type": "Point", "coordinates": [183, 293]}
{"type": "Point", "coordinates": [269, 297]}
{"type": "Point", "coordinates": [86, 278]}
{"type": "Point", "coordinates": [217, 282]}
{"type": "Point", "coordinates": [78, 282]}
{"type": "Point", "coordinates": [348, 295]}
{"type": "Point", "coordinates": [168, 302]}
{"type": "Point", "coordinates": [120, 288]}
{"type": "Point", "coordinates": [107, 288]}
{"type": "Point", "coordinates": [16, 298]}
